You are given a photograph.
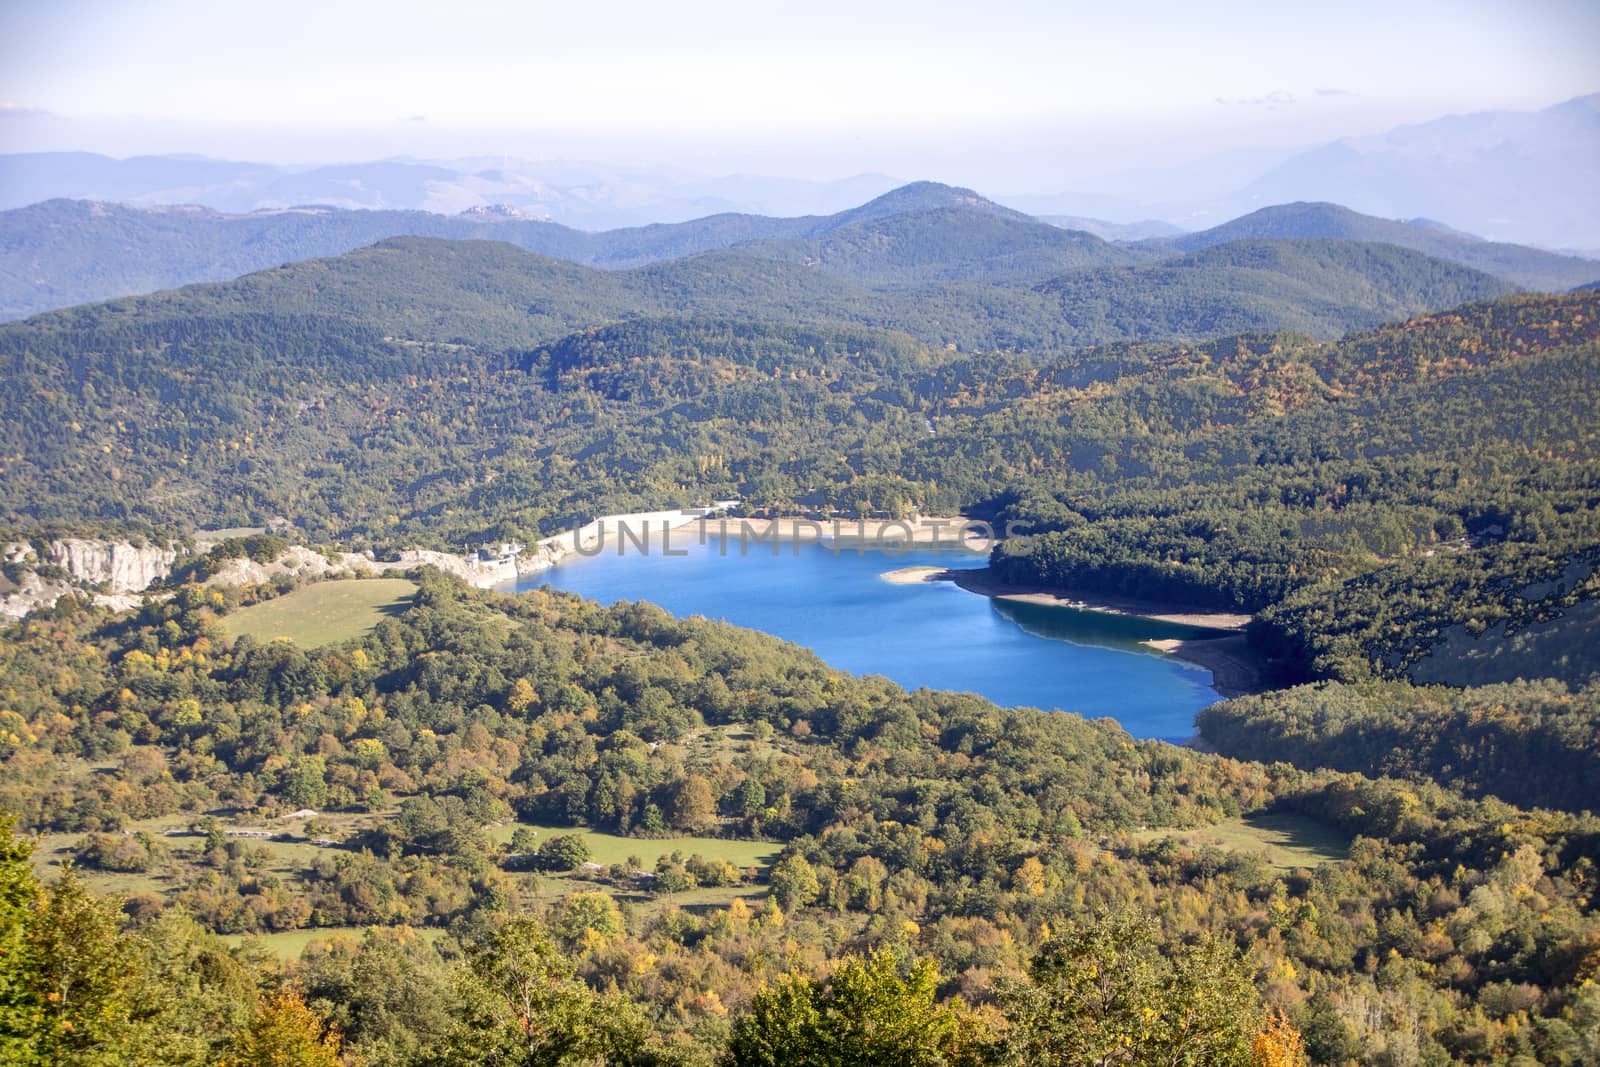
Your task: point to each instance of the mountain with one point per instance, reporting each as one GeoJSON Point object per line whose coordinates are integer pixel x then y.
{"type": "Point", "coordinates": [589, 195]}
{"type": "Point", "coordinates": [306, 362]}
{"type": "Point", "coordinates": [1142, 230]}
{"type": "Point", "coordinates": [489, 292]}
{"type": "Point", "coordinates": [1525, 176]}
{"type": "Point", "coordinates": [1531, 268]}
{"type": "Point", "coordinates": [1319, 287]}
{"type": "Point", "coordinates": [928, 232]}
{"type": "Point", "coordinates": [60, 253]}
{"type": "Point", "coordinates": [64, 252]}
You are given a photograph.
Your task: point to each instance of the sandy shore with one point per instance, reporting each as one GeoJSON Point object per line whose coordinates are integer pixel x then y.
{"type": "Point", "coordinates": [914, 575]}
{"type": "Point", "coordinates": [981, 581]}
{"type": "Point", "coordinates": [1234, 666]}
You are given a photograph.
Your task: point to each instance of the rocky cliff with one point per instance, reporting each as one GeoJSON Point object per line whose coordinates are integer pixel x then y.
{"type": "Point", "coordinates": [121, 567]}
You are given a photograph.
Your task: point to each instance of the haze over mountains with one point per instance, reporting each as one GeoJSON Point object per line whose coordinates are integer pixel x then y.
{"type": "Point", "coordinates": [585, 195]}
{"type": "Point", "coordinates": [1520, 176]}
{"type": "Point", "coordinates": [1512, 176]}
{"type": "Point", "coordinates": [1517, 176]}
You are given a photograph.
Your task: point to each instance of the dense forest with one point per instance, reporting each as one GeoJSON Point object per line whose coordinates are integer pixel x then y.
{"type": "Point", "coordinates": [1536, 744]}
{"type": "Point", "coordinates": [1384, 500]}
{"type": "Point", "coordinates": [940, 846]}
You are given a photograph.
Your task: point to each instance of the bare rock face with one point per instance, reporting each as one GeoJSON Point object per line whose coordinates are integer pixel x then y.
{"type": "Point", "coordinates": [478, 572]}
{"type": "Point", "coordinates": [34, 593]}
{"type": "Point", "coordinates": [545, 554]}
{"type": "Point", "coordinates": [123, 567]}
{"type": "Point", "coordinates": [296, 561]}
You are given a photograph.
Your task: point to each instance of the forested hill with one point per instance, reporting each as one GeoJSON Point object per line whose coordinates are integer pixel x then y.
{"type": "Point", "coordinates": [64, 252]}
{"type": "Point", "coordinates": [1304, 285]}
{"type": "Point", "coordinates": [61, 252]}
{"type": "Point", "coordinates": [1536, 744]}
{"type": "Point", "coordinates": [489, 293]}
{"type": "Point", "coordinates": [1532, 268]}
{"type": "Point", "coordinates": [1384, 498]}
{"type": "Point", "coordinates": [466, 761]}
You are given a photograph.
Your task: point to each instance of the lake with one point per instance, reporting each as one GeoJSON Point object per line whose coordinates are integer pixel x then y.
{"type": "Point", "coordinates": [930, 634]}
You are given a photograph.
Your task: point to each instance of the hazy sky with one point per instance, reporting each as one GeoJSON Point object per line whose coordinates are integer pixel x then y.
{"type": "Point", "coordinates": [819, 88]}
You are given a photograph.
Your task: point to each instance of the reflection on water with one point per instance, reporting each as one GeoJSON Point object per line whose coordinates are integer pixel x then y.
{"type": "Point", "coordinates": [923, 634]}
{"type": "Point", "coordinates": [1124, 632]}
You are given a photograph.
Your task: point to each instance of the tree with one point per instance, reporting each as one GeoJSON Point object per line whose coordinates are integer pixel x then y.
{"type": "Point", "coordinates": [391, 996]}
{"type": "Point", "coordinates": [1104, 994]}
{"type": "Point", "coordinates": [522, 1005]}
{"type": "Point", "coordinates": [794, 882]}
{"type": "Point", "coordinates": [564, 852]}
{"type": "Point", "coordinates": [693, 807]}
{"type": "Point", "coordinates": [752, 798]}
{"type": "Point", "coordinates": [287, 1033]}
{"type": "Point", "coordinates": [584, 919]}
{"type": "Point", "coordinates": [205, 994]}
{"type": "Point", "coordinates": [1278, 1044]}
{"type": "Point", "coordinates": [306, 784]}
{"type": "Point", "coordinates": [522, 697]}
{"type": "Point", "coordinates": [877, 1010]}
{"type": "Point", "coordinates": [83, 978]}
{"type": "Point", "coordinates": [19, 893]}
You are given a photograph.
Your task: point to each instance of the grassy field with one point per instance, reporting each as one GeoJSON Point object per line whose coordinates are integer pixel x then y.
{"type": "Point", "coordinates": [230, 532]}
{"type": "Point", "coordinates": [288, 944]}
{"type": "Point", "coordinates": [1288, 841]}
{"type": "Point", "coordinates": [324, 612]}
{"type": "Point", "coordinates": [286, 858]}
{"type": "Point", "coordinates": [606, 849]}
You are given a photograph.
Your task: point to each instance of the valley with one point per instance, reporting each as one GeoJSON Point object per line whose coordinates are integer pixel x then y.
{"type": "Point", "coordinates": [327, 673]}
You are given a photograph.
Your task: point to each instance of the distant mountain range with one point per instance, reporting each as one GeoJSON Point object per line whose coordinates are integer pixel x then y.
{"type": "Point", "coordinates": [1522, 176]}
{"type": "Point", "coordinates": [941, 264]}
{"type": "Point", "coordinates": [61, 253]}
{"type": "Point", "coordinates": [1531, 268]}
{"type": "Point", "coordinates": [1527, 176]}
{"type": "Point", "coordinates": [1513, 176]}
{"type": "Point", "coordinates": [1114, 231]}
{"type": "Point", "coordinates": [585, 195]}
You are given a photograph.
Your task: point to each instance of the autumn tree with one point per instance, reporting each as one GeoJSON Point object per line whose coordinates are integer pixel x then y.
{"type": "Point", "coordinates": [287, 1033]}
{"type": "Point", "coordinates": [1278, 1044]}
{"type": "Point", "coordinates": [794, 882]}
{"type": "Point", "coordinates": [523, 1005]}
{"type": "Point", "coordinates": [881, 1009]}
{"type": "Point", "coordinates": [1104, 994]}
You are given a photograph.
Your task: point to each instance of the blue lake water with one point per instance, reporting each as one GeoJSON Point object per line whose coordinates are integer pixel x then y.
{"type": "Point", "coordinates": [932, 634]}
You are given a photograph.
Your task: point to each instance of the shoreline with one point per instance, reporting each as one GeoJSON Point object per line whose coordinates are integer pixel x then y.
{"type": "Point", "coordinates": [980, 581]}
{"type": "Point", "coordinates": [919, 575]}
{"type": "Point", "coordinates": [1233, 665]}
{"type": "Point", "coordinates": [1235, 668]}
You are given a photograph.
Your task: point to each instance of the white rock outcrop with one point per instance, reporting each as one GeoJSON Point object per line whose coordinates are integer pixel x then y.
{"type": "Point", "coordinates": [120, 566]}
{"type": "Point", "coordinates": [478, 572]}
{"type": "Point", "coordinates": [297, 561]}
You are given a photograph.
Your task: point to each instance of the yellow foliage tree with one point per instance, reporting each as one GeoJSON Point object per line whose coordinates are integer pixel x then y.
{"type": "Point", "coordinates": [523, 696]}
{"type": "Point", "coordinates": [1279, 1044]}
{"type": "Point", "coordinates": [286, 1032]}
